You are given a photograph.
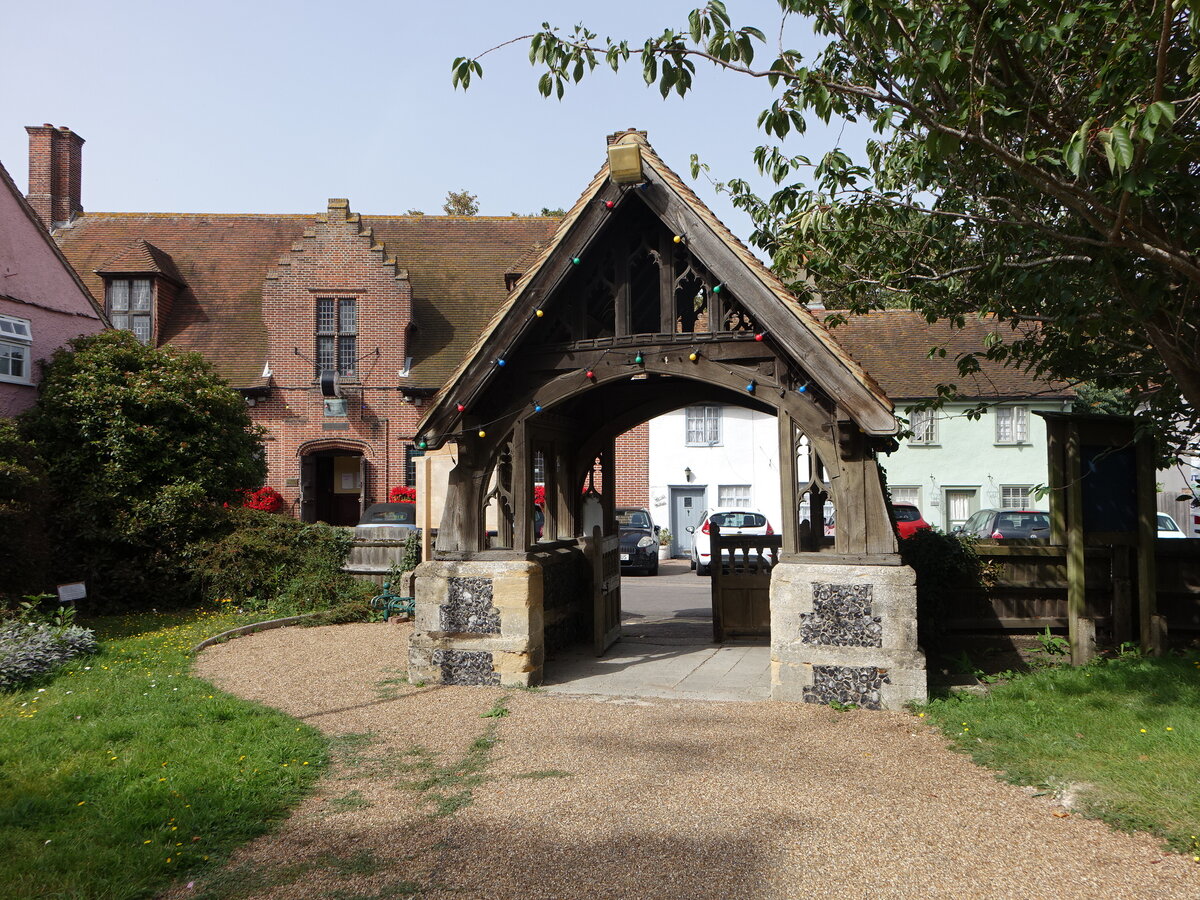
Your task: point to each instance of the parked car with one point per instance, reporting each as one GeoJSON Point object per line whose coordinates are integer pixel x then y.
{"type": "Point", "coordinates": [1167, 527]}
{"type": "Point", "coordinates": [1007, 524]}
{"type": "Point", "coordinates": [399, 515]}
{"type": "Point", "coordinates": [639, 540]}
{"type": "Point", "coordinates": [909, 519]}
{"type": "Point", "coordinates": [387, 521]}
{"type": "Point", "coordinates": [730, 521]}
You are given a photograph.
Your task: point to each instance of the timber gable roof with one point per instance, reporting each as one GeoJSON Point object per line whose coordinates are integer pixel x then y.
{"type": "Point", "coordinates": [788, 320]}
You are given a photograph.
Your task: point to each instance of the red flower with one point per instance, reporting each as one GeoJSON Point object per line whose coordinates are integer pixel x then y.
{"type": "Point", "coordinates": [539, 495]}
{"type": "Point", "coordinates": [402, 494]}
{"type": "Point", "coordinates": [266, 498]}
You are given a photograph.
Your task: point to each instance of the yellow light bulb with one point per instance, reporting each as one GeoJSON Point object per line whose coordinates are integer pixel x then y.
{"type": "Point", "coordinates": [693, 357]}
{"type": "Point", "coordinates": [482, 433]}
{"type": "Point", "coordinates": [539, 313]}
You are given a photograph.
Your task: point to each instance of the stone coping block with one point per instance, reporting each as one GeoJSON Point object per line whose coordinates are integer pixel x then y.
{"type": "Point", "coordinates": [846, 634]}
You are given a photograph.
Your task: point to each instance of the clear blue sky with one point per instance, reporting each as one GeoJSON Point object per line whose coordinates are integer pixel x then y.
{"type": "Point", "coordinates": [274, 107]}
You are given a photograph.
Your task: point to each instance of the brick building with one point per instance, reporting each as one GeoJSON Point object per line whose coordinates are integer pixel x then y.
{"type": "Point", "coordinates": [335, 327]}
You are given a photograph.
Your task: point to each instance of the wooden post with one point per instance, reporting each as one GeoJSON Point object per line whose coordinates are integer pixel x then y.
{"type": "Point", "coordinates": [522, 487]}
{"type": "Point", "coordinates": [789, 502]}
{"type": "Point", "coordinates": [608, 490]}
{"type": "Point", "coordinates": [666, 285]}
{"type": "Point", "coordinates": [716, 570]}
{"type": "Point", "coordinates": [1081, 649]}
{"type": "Point", "coordinates": [1057, 480]}
{"type": "Point", "coordinates": [1122, 595]}
{"type": "Point", "coordinates": [1152, 638]}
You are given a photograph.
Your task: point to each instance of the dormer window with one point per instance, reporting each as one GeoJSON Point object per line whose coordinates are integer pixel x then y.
{"type": "Point", "coordinates": [130, 306]}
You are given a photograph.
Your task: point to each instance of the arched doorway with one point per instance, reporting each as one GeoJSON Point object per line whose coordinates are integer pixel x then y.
{"type": "Point", "coordinates": [644, 303]}
{"type": "Point", "coordinates": [333, 482]}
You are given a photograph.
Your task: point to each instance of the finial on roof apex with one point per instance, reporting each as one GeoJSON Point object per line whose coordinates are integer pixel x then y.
{"type": "Point", "coordinates": [617, 135]}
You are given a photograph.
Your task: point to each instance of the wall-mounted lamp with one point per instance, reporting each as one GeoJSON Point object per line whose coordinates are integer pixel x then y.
{"type": "Point", "coordinates": [688, 476]}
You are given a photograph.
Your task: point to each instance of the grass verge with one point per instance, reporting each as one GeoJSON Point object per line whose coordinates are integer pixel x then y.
{"type": "Point", "coordinates": [1123, 733]}
{"type": "Point", "coordinates": [121, 773]}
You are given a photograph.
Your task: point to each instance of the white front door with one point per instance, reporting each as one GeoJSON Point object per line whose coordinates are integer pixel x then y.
{"type": "Point", "coordinates": [960, 503]}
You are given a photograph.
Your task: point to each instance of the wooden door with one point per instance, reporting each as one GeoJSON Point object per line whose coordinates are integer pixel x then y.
{"type": "Point", "coordinates": [686, 506]}
{"type": "Point", "coordinates": [605, 553]}
{"type": "Point", "coordinates": [741, 583]}
{"type": "Point", "coordinates": [308, 489]}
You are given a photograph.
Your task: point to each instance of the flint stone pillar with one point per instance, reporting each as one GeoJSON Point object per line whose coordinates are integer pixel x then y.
{"type": "Point", "coordinates": [845, 633]}
{"type": "Point", "coordinates": [477, 622]}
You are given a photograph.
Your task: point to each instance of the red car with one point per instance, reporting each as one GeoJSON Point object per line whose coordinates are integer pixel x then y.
{"type": "Point", "coordinates": [908, 519]}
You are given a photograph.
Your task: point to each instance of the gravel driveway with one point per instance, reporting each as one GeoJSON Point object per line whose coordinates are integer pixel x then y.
{"type": "Point", "coordinates": [560, 796]}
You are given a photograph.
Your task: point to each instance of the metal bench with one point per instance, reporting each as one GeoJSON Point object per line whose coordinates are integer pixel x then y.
{"type": "Point", "coordinates": [393, 604]}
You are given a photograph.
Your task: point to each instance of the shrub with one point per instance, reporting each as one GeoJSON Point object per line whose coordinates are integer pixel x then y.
{"type": "Point", "coordinates": [141, 446]}
{"type": "Point", "coordinates": [263, 560]}
{"type": "Point", "coordinates": [946, 566]}
{"type": "Point", "coordinates": [28, 650]}
{"type": "Point", "coordinates": [401, 494]}
{"type": "Point", "coordinates": [23, 491]}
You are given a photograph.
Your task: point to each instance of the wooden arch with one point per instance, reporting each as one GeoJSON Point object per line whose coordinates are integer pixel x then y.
{"type": "Point", "coordinates": [641, 304]}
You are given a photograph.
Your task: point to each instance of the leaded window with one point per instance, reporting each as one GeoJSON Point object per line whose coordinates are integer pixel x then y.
{"type": "Point", "coordinates": [130, 305]}
{"type": "Point", "coordinates": [337, 336]}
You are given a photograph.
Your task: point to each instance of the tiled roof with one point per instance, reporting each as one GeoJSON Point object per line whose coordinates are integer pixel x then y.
{"type": "Point", "coordinates": [142, 257]}
{"type": "Point", "coordinates": [894, 344]}
{"type": "Point", "coordinates": [456, 265]}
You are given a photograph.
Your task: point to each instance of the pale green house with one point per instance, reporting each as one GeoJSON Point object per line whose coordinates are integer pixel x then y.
{"type": "Point", "coordinates": [953, 464]}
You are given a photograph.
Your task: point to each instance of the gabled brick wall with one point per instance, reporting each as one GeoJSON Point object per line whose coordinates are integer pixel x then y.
{"type": "Point", "coordinates": [336, 258]}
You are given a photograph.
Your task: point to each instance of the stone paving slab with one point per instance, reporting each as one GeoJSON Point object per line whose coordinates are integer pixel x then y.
{"type": "Point", "coordinates": [667, 663]}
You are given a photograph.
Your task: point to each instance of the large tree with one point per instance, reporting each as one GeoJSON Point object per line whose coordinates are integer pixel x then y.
{"type": "Point", "coordinates": [140, 446]}
{"type": "Point", "coordinates": [1036, 161]}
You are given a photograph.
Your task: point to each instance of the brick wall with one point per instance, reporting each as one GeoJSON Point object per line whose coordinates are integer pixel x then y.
{"type": "Point", "coordinates": [336, 258]}
{"type": "Point", "coordinates": [633, 466]}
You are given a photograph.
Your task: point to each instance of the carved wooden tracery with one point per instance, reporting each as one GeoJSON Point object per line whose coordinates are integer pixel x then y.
{"type": "Point", "coordinates": [631, 326]}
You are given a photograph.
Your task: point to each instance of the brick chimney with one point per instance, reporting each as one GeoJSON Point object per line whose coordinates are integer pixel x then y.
{"type": "Point", "coordinates": [55, 173]}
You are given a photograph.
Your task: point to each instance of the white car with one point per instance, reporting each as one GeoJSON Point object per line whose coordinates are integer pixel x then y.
{"type": "Point", "coordinates": [731, 520]}
{"type": "Point", "coordinates": [1167, 527]}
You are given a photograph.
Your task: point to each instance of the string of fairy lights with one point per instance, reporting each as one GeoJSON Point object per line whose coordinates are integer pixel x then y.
{"type": "Point", "coordinates": [501, 362]}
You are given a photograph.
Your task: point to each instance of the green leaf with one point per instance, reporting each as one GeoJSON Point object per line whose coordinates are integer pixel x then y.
{"type": "Point", "coordinates": [1122, 146]}
{"type": "Point", "coordinates": [1163, 110]}
{"type": "Point", "coordinates": [694, 25]}
{"type": "Point", "coordinates": [1075, 153]}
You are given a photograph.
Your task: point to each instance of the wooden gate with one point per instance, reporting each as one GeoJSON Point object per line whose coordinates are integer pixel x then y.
{"type": "Point", "coordinates": [741, 583]}
{"type": "Point", "coordinates": [605, 554]}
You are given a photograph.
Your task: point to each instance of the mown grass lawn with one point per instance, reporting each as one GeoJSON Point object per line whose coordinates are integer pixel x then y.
{"type": "Point", "coordinates": [121, 773]}
{"type": "Point", "coordinates": [1127, 731]}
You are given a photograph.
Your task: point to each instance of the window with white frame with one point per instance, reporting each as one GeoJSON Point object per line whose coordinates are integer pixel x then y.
{"type": "Point", "coordinates": [1015, 496]}
{"type": "Point", "coordinates": [16, 340]}
{"type": "Point", "coordinates": [1012, 425]}
{"type": "Point", "coordinates": [703, 426]}
{"type": "Point", "coordinates": [733, 495]}
{"type": "Point", "coordinates": [130, 305]}
{"type": "Point", "coordinates": [337, 336]}
{"type": "Point", "coordinates": [923, 423]}
{"type": "Point", "coordinates": [906, 495]}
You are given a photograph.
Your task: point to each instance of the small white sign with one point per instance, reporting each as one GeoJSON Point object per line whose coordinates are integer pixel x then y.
{"type": "Point", "coordinates": [349, 481]}
{"type": "Point", "coordinates": [69, 593]}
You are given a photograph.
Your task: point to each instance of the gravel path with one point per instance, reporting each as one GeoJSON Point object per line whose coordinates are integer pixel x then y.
{"type": "Point", "coordinates": [580, 797]}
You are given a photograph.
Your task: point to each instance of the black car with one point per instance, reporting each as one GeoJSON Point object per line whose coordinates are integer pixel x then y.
{"type": "Point", "coordinates": [639, 540]}
{"type": "Point", "coordinates": [1006, 524]}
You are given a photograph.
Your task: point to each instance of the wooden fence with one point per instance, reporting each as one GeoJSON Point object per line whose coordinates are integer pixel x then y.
{"type": "Point", "coordinates": [1031, 591]}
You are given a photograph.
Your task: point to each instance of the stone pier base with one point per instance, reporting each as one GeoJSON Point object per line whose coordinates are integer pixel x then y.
{"type": "Point", "coordinates": [477, 622]}
{"type": "Point", "coordinates": [845, 633]}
